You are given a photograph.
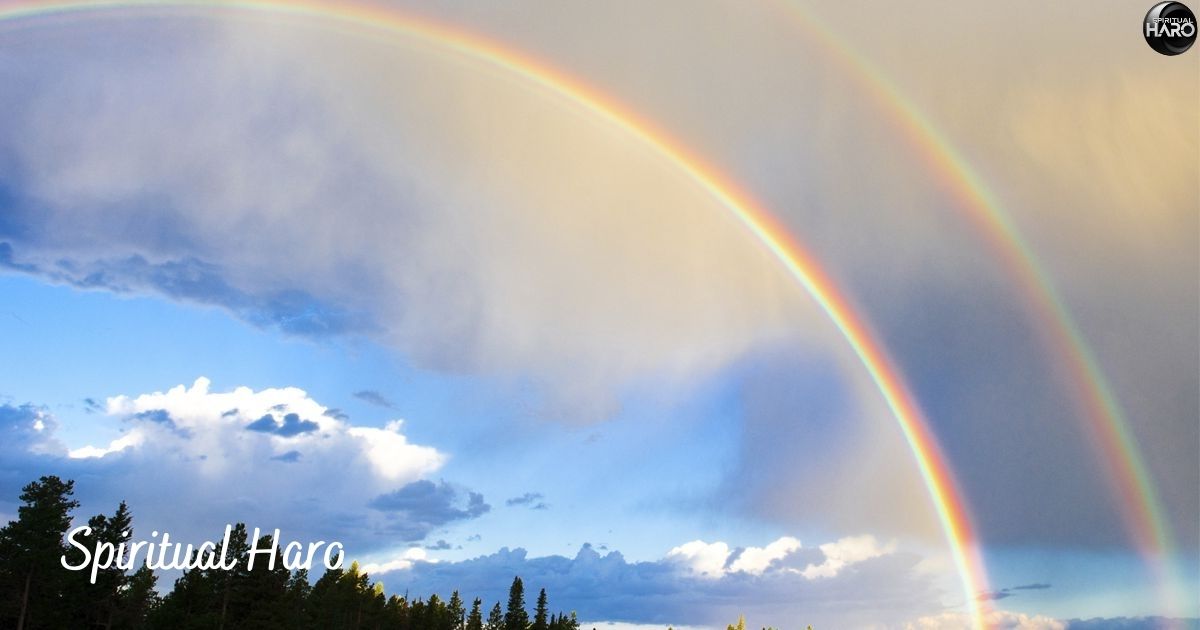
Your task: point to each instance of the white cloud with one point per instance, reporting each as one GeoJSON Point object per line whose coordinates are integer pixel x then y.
{"type": "Point", "coordinates": [271, 458]}
{"type": "Point", "coordinates": [755, 560]}
{"type": "Point", "coordinates": [218, 430]}
{"type": "Point", "coordinates": [999, 619]}
{"type": "Point", "coordinates": [131, 439]}
{"type": "Point", "coordinates": [713, 560]}
{"type": "Point", "coordinates": [845, 552]}
{"type": "Point", "coordinates": [391, 454]}
{"type": "Point", "coordinates": [403, 562]}
{"type": "Point", "coordinates": [701, 558]}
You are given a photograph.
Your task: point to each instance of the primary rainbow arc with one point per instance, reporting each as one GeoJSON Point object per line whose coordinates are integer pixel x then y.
{"type": "Point", "coordinates": [949, 505]}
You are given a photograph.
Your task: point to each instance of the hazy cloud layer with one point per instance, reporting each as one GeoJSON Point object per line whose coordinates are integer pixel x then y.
{"type": "Point", "coordinates": [1089, 145]}
{"type": "Point", "coordinates": [504, 238]}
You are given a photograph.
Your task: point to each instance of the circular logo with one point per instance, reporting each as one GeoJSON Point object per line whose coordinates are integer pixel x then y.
{"type": "Point", "coordinates": [1170, 28]}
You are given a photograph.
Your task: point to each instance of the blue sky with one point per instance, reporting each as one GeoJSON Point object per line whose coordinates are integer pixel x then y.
{"type": "Point", "coordinates": [365, 289]}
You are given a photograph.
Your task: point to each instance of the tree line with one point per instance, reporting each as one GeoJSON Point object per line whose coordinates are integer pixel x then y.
{"type": "Point", "coordinates": [37, 592]}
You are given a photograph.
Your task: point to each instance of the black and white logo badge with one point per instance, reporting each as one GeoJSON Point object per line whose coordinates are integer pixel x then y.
{"type": "Point", "coordinates": [1170, 28]}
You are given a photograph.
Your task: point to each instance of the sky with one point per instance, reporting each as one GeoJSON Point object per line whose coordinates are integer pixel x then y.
{"type": "Point", "coordinates": [358, 285]}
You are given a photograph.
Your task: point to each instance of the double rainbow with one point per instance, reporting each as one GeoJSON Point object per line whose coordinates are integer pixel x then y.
{"type": "Point", "coordinates": [1131, 477]}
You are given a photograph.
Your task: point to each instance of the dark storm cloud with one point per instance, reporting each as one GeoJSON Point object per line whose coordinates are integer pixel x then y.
{"type": "Point", "coordinates": [291, 425]}
{"type": "Point", "coordinates": [532, 500]}
{"type": "Point", "coordinates": [1005, 593]}
{"type": "Point", "coordinates": [422, 506]}
{"type": "Point", "coordinates": [157, 416]}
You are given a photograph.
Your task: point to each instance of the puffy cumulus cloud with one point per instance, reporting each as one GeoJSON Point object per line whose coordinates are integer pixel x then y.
{"type": "Point", "coordinates": [386, 448]}
{"type": "Point", "coordinates": [882, 590]}
{"type": "Point", "coordinates": [190, 459]}
{"type": "Point", "coordinates": [701, 558]}
{"type": "Point", "coordinates": [1000, 619]}
{"type": "Point", "coordinates": [755, 560]}
{"type": "Point", "coordinates": [715, 560]}
{"type": "Point", "coordinates": [844, 552]}
{"type": "Point", "coordinates": [219, 429]}
{"type": "Point", "coordinates": [400, 563]}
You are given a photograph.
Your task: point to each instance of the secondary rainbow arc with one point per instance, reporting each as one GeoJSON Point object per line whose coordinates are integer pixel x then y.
{"type": "Point", "coordinates": [947, 499]}
{"type": "Point", "coordinates": [1142, 508]}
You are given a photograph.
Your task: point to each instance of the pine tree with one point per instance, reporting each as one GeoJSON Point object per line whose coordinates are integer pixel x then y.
{"type": "Point", "coordinates": [296, 599]}
{"type": "Point", "coordinates": [136, 600]}
{"type": "Point", "coordinates": [495, 618]}
{"type": "Point", "coordinates": [30, 548]}
{"type": "Point", "coordinates": [475, 619]}
{"type": "Point", "coordinates": [239, 548]}
{"type": "Point", "coordinates": [83, 602]}
{"type": "Point", "coordinates": [95, 604]}
{"type": "Point", "coordinates": [539, 615]}
{"type": "Point", "coordinates": [516, 617]}
{"type": "Point", "coordinates": [112, 581]}
{"type": "Point", "coordinates": [259, 599]}
{"type": "Point", "coordinates": [454, 609]}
